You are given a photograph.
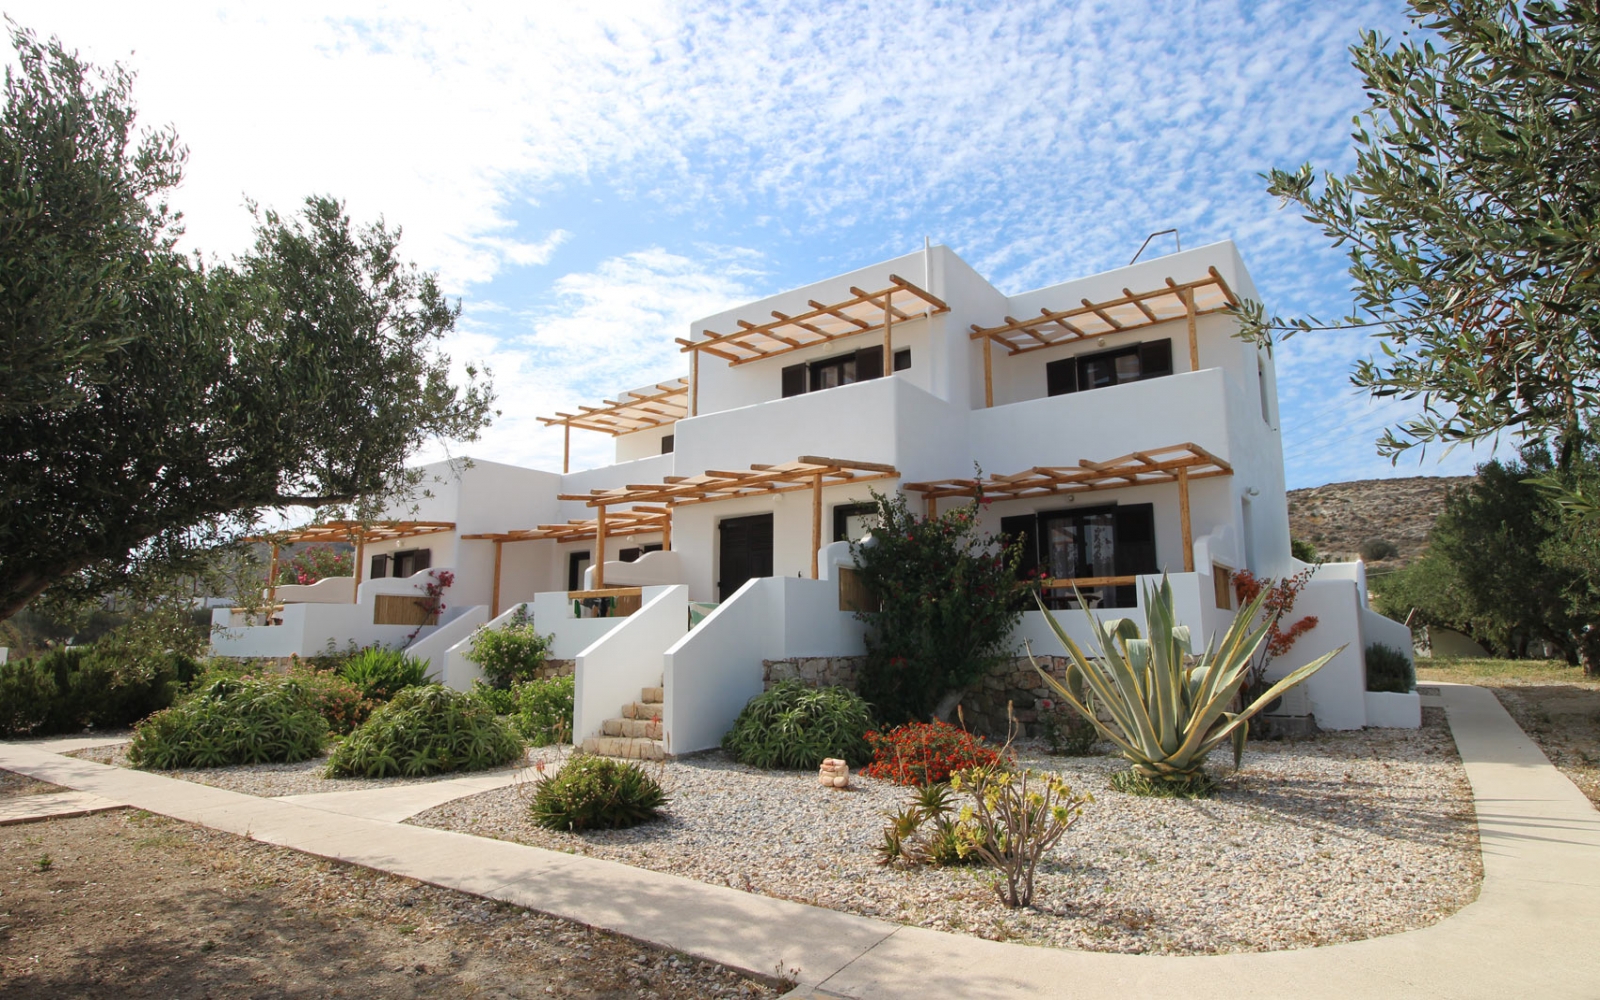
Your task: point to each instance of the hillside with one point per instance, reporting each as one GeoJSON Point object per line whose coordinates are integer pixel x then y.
{"type": "Point", "coordinates": [1338, 517]}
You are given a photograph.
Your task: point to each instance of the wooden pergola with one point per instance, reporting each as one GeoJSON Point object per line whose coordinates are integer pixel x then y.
{"type": "Point", "coordinates": [635, 410]}
{"type": "Point", "coordinates": [358, 533]}
{"type": "Point", "coordinates": [809, 472]}
{"type": "Point", "coordinates": [1052, 328]}
{"type": "Point", "coordinates": [1179, 463]}
{"type": "Point", "coordinates": [623, 522]}
{"type": "Point", "coordinates": [823, 323]}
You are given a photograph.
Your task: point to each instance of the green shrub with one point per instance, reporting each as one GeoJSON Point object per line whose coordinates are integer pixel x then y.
{"type": "Point", "coordinates": [248, 721]}
{"type": "Point", "coordinates": [1389, 669]}
{"type": "Point", "coordinates": [596, 793]}
{"type": "Point", "coordinates": [544, 710]}
{"type": "Point", "coordinates": [929, 831]}
{"type": "Point", "coordinates": [338, 701]}
{"type": "Point", "coordinates": [502, 701]}
{"type": "Point", "coordinates": [796, 726]}
{"type": "Point", "coordinates": [383, 673]}
{"type": "Point", "coordinates": [65, 690]}
{"type": "Point", "coordinates": [426, 730]}
{"type": "Point", "coordinates": [511, 654]}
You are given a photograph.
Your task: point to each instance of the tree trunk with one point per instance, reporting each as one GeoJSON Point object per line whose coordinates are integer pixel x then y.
{"type": "Point", "coordinates": [947, 704]}
{"type": "Point", "coordinates": [1589, 651]}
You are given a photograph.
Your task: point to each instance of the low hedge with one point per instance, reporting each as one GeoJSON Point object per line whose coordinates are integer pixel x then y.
{"type": "Point", "coordinates": [796, 726]}
{"type": "Point", "coordinates": [65, 690]}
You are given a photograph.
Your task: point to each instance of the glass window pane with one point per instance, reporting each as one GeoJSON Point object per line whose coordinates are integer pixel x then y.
{"type": "Point", "coordinates": [1128, 368]}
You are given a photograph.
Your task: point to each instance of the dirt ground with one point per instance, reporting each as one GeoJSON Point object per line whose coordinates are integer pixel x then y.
{"type": "Point", "coordinates": [1554, 703]}
{"type": "Point", "coordinates": [126, 904]}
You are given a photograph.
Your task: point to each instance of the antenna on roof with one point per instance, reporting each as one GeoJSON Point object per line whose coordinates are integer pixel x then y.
{"type": "Point", "coordinates": [1152, 236]}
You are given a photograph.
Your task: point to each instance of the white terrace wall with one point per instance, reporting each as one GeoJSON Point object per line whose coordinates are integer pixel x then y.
{"type": "Point", "coordinates": [612, 671]}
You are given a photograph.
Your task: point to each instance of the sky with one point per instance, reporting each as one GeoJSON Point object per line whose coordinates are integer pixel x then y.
{"type": "Point", "coordinates": [589, 179]}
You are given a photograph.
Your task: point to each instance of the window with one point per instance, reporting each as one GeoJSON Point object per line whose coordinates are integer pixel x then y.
{"type": "Point", "coordinates": [1107, 368]}
{"type": "Point", "coordinates": [633, 554]}
{"type": "Point", "coordinates": [412, 561]}
{"type": "Point", "coordinates": [1083, 543]}
{"type": "Point", "coordinates": [842, 369]}
{"type": "Point", "coordinates": [851, 521]}
{"type": "Point", "coordinates": [380, 567]}
{"type": "Point", "coordinates": [577, 562]}
{"type": "Point", "coordinates": [667, 442]}
{"type": "Point", "coordinates": [1222, 582]}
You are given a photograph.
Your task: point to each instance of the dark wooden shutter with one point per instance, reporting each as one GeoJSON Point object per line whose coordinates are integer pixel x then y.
{"type": "Point", "coordinates": [869, 363]}
{"type": "Point", "coordinates": [1135, 534]}
{"type": "Point", "coordinates": [667, 443]}
{"type": "Point", "coordinates": [794, 380]}
{"type": "Point", "coordinates": [630, 555]}
{"type": "Point", "coordinates": [421, 560]}
{"type": "Point", "coordinates": [1155, 358]}
{"type": "Point", "coordinates": [902, 359]}
{"type": "Point", "coordinates": [1026, 527]}
{"type": "Point", "coordinates": [380, 567]}
{"type": "Point", "coordinates": [1061, 377]}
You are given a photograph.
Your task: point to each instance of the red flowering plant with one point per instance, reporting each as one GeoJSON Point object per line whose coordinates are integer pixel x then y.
{"type": "Point", "coordinates": [316, 562]}
{"type": "Point", "coordinates": [432, 600]}
{"type": "Point", "coordinates": [945, 598]}
{"type": "Point", "coordinates": [1276, 607]}
{"type": "Point", "coordinates": [923, 753]}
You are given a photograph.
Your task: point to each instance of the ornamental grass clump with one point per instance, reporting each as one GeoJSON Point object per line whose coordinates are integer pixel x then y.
{"type": "Point", "coordinates": [796, 726]}
{"type": "Point", "coordinates": [1169, 708]}
{"type": "Point", "coordinates": [596, 793]}
{"type": "Point", "coordinates": [265, 720]}
{"type": "Point", "coordinates": [426, 730]}
{"type": "Point", "coordinates": [923, 753]}
{"type": "Point", "coordinates": [383, 673]}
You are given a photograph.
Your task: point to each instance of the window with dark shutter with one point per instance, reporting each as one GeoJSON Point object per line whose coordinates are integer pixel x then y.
{"type": "Point", "coordinates": [1155, 358]}
{"type": "Point", "coordinates": [869, 363]}
{"type": "Point", "coordinates": [1025, 527]}
{"type": "Point", "coordinates": [380, 567]}
{"type": "Point", "coordinates": [423, 560]}
{"type": "Point", "coordinates": [794, 380]}
{"type": "Point", "coordinates": [667, 442]}
{"type": "Point", "coordinates": [1061, 377]}
{"type": "Point", "coordinates": [902, 359]}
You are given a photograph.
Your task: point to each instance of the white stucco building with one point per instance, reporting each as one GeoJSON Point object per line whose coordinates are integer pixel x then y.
{"type": "Point", "coordinates": [1118, 423]}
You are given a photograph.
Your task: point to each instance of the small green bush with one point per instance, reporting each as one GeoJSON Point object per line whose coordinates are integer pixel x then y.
{"type": "Point", "coordinates": [796, 726]}
{"type": "Point", "coordinates": [383, 673]}
{"type": "Point", "coordinates": [426, 730]}
{"type": "Point", "coordinates": [1389, 669]}
{"type": "Point", "coordinates": [338, 701]}
{"type": "Point", "coordinates": [250, 721]}
{"type": "Point", "coordinates": [65, 690]}
{"type": "Point", "coordinates": [1068, 733]}
{"type": "Point", "coordinates": [511, 654]}
{"type": "Point", "coordinates": [596, 793]}
{"type": "Point", "coordinates": [544, 710]}
{"type": "Point", "coordinates": [502, 701]}
{"type": "Point", "coordinates": [1198, 785]}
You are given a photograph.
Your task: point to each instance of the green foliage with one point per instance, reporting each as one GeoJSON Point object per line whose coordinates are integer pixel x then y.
{"type": "Point", "coordinates": [927, 832]}
{"type": "Point", "coordinates": [339, 702]}
{"type": "Point", "coordinates": [1013, 818]}
{"type": "Point", "coordinates": [1376, 549]}
{"type": "Point", "coordinates": [426, 730]}
{"type": "Point", "coordinates": [1390, 669]}
{"type": "Point", "coordinates": [596, 793]}
{"type": "Point", "coordinates": [1068, 733]}
{"type": "Point", "coordinates": [923, 753]}
{"type": "Point", "coordinates": [383, 673]}
{"type": "Point", "coordinates": [796, 726]}
{"type": "Point", "coordinates": [947, 600]}
{"type": "Point", "coordinates": [107, 687]}
{"type": "Point", "coordinates": [1303, 550]}
{"type": "Point", "coordinates": [502, 701]}
{"type": "Point", "coordinates": [1198, 785]}
{"type": "Point", "coordinates": [1169, 708]}
{"type": "Point", "coordinates": [1469, 219]}
{"type": "Point", "coordinates": [152, 404]}
{"type": "Point", "coordinates": [544, 710]}
{"type": "Point", "coordinates": [512, 653]}
{"type": "Point", "coordinates": [249, 721]}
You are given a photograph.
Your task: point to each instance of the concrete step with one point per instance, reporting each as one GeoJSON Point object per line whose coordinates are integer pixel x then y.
{"type": "Point", "coordinates": [620, 746]}
{"type": "Point", "coordinates": [647, 729]}
{"type": "Point", "coordinates": [653, 696]}
{"type": "Point", "coordinates": [643, 710]}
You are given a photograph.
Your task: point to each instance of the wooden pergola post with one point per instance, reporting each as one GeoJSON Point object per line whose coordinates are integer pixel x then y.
{"type": "Point", "coordinates": [494, 602]}
{"type": "Point", "coordinates": [272, 584]}
{"type": "Point", "coordinates": [888, 334]}
{"type": "Point", "coordinates": [933, 502]}
{"type": "Point", "coordinates": [361, 556]}
{"type": "Point", "coordinates": [1183, 519]}
{"type": "Point", "coordinates": [988, 373]}
{"type": "Point", "coordinates": [1194, 344]}
{"type": "Point", "coordinates": [816, 521]}
{"type": "Point", "coordinates": [599, 548]}
{"type": "Point", "coordinates": [694, 383]}
{"type": "Point", "coordinates": [566, 447]}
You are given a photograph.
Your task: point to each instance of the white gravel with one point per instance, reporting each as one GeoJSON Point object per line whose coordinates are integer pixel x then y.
{"type": "Point", "coordinates": [1347, 836]}
{"type": "Point", "coordinates": [305, 778]}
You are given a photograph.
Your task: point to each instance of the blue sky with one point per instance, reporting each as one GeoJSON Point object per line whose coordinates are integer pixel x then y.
{"type": "Point", "coordinates": [589, 181]}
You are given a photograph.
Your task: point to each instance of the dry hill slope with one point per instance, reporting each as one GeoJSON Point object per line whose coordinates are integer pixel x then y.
{"type": "Point", "coordinates": [1338, 517]}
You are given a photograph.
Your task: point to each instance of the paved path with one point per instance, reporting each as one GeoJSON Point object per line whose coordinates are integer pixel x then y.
{"type": "Point", "coordinates": [1531, 933]}
{"type": "Point", "coordinates": [398, 802]}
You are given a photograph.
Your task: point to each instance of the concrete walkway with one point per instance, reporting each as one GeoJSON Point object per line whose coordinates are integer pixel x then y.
{"type": "Point", "coordinates": [1529, 934]}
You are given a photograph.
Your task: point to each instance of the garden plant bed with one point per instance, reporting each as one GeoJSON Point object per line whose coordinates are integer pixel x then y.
{"type": "Point", "coordinates": [1347, 836]}
{"type": "Point", "coordinates": [125, 904]}
{"type": "Point", "coordinates": [307, 777]}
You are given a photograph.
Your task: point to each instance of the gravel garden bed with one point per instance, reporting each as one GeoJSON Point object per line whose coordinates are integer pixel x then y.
{"type": "Point", "coordinates": [303, 778]}
{"type": "Point", "coordinates": [1343, 837]}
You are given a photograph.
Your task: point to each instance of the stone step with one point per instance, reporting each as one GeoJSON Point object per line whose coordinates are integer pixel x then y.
{"type": "Point", "coordinates": [643, 710]}
{"type": "Point", "coordinates": [620, 746]}
{"type": "Point", "coordinates": [647, 729]}
{"type": "Point", "coordinates": [653, 696]}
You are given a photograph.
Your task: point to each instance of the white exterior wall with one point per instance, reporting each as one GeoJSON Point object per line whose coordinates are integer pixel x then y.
{"type": "Point", "coordinates": [613, 670]}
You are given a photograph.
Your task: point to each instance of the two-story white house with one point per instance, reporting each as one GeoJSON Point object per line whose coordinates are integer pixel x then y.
{"type": "Point", "coordinates": [1115, 423]}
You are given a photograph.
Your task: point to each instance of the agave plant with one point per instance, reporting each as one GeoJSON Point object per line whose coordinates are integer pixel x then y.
{"type": "Point", "coordinates": [1169, 707]}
